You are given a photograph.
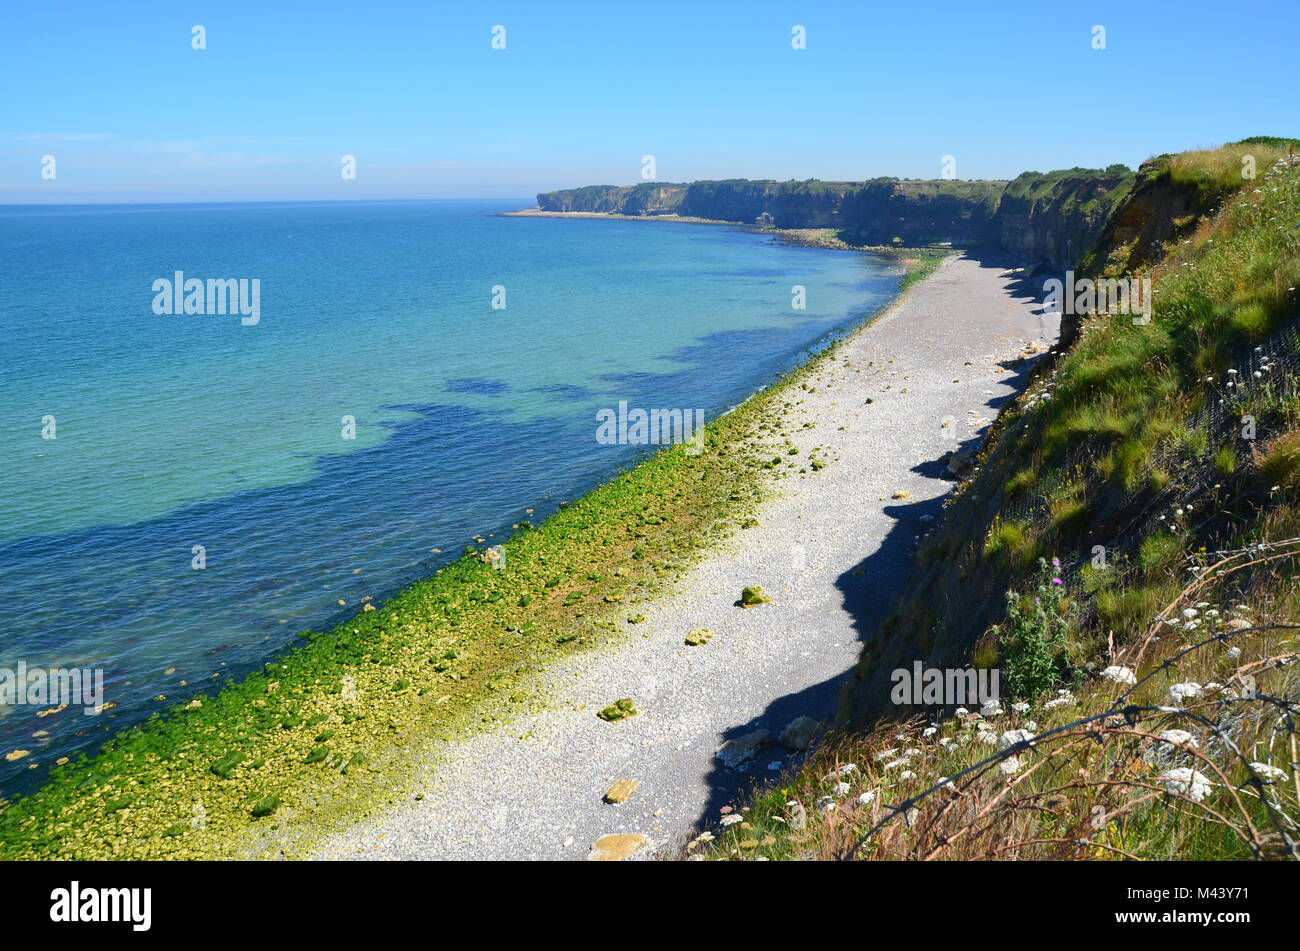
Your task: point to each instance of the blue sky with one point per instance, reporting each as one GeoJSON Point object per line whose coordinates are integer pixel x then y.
{"type": "Point", "coordinates": [582, 91]}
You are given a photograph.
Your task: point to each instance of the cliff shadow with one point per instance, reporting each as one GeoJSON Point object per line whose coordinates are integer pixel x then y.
{"type": "Point", "coordinates": [868, 590]}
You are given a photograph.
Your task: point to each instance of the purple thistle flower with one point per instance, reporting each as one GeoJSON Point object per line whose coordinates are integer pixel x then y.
{"type": "Point", "coordinates": [1056, 562]}
{"type": "Point", "coordinates": [1056, 581]}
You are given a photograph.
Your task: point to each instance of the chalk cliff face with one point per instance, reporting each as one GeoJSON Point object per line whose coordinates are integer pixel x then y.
{"type": "Point", "coordinates": [1058, 217]}
{"type": "Point", "coordinates": [874, 212]}
{"type": "Point", "coordinates": [1054, 217]}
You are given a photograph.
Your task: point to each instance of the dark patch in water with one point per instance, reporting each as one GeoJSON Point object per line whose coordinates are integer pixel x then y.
{"type": "Point", "coordinates": [567, 391]}
{"type": "Point", "coordinates": [477, 387]}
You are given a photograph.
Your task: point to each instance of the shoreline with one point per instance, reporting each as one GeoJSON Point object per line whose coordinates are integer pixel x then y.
{"type": "Point", "coordinates": [854, 482]}
{"type": "Point", "coordinates": [284, 752]}
{"type": "Point", "coordinates": [827, 239]}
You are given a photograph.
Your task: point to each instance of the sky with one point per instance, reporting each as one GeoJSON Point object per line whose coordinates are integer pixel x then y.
{"type": "Point", "coordinates": [130, 111]}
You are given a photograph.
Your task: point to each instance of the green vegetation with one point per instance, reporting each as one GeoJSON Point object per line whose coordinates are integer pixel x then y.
{"type": "Point", "coordinates": [1109, 459]}
{"type": "Point", "coordinates": [1033, 642]}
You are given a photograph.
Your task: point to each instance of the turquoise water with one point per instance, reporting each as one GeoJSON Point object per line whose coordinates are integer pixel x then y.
{"type": "Point", "coordinates": [173, 431]}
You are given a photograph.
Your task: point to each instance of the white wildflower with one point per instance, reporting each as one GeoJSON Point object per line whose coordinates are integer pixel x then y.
{"type": "Point", "coordinates": [1179, 738]}
{"type": "Point", "coordinates": [1011, 737]}
{"type": "Point", "coordinates": [1185, 781]}
{"type": "Point", "coordinates": [1268, 773]}
{"type": "Point", "coordinates": [1120, 675]}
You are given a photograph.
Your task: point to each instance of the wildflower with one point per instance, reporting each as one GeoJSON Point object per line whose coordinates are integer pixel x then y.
{"type": "Point", "coordinates": [1187, 782]}
{"type": "Point", "coordinates": [1179, 738]}
{"type": "Point", "coordinates": [1270, 774]}
{"type": "Point", "coordinates": [1012, 737]}
{"type": "Point", "coordinates": [1056, 562]}
{"type": "Point", "coordinates": [1119, 675]}
{"type": "Point", "coordinates": [1056, 581]}
{"type": "Point", "coordinates": [731, 819]}
{"type": "Point", "coordinates": [1184, 691]}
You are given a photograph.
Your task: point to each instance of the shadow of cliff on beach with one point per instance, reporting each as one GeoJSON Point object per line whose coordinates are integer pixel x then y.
{"type": "Point", "coordinates": [870, 589]}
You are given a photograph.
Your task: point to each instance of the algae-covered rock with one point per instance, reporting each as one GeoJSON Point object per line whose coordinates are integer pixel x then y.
{"type": "Point", "coordinates": [266, 805]}
{"type": "Point", "coordinates": [698, 636]}
{"type": "Point", "coordinates": [618, 710]}
{"type": "Point", "coordinates": [753, 595]}
{"type": "Point", "coordinates": [225, 767]}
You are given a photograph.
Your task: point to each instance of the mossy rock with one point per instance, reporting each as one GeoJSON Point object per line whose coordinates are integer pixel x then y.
{"type": "Point", "coordinates": [266, 805]}
{"type": "Point", "coordinates": [618, 710]}
{"type": "Point", "coordinates": [698, 636]}
{"type": "Point", "coordinates": [225, 767]}
{"type": "Point", "coordinates": [753, 595]}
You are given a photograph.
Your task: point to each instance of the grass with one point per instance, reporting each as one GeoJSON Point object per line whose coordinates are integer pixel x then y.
{"type": "Point", "coordinates": [1119, 475]}
{"type": "Point", "coordinates": [1088, 787]}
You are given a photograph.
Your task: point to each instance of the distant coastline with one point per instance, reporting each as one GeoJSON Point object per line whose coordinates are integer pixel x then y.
{"type": "Point", "coordinates": [537, 212]}
{"type": "Point", "coordinates": [825, 238]}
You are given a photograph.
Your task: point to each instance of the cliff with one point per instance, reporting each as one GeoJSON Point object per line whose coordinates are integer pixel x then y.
{"type": "Point", "coordinates": [1054, 217]}
{"type": "Point", "coordinates": [1058, 216]}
